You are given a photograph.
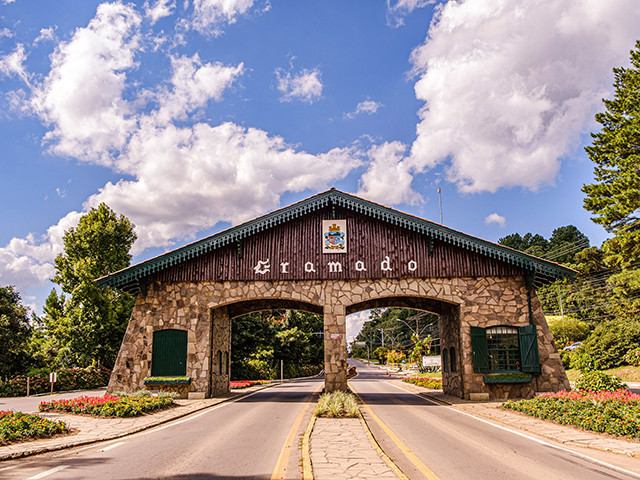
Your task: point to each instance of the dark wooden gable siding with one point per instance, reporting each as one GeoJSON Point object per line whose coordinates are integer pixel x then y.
{"type": "Point", "coordinates": [370, 241]}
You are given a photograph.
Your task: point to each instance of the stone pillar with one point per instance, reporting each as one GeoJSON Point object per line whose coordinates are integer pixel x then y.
{"type": "Point", "coordinates": [335, 348]}
{"type": "Point", "coordinates": [220, 351]}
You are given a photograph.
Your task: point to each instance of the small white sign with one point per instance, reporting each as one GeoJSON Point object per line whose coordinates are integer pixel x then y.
{"type": "Point", "coordinates": [335, 336]}
{"type": "Point", "coordinates": [361, 344]}
{"type": "Point", "coordinates": [53, 378]}
{"type": "Point", "coordinates": [431, 361]}
{"type": "Point", "coordinates": [334, 236]}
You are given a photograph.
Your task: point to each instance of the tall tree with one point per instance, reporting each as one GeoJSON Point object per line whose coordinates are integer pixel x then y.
{"type": "Point", "coordinates": [95, 318]}
{"type": "Point", "coordinates": [615, 196]}
{"type": "Point", "coordinates": [15, 329]}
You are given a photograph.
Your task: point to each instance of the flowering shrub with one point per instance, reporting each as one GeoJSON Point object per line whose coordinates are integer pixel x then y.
{"type": "Point", "coordinates": [616, 413]}
{"type": "Point", "coordinates": [107, 405]}
{"type": "Point", "coordinates": [237, 384]}
{"type": "Point", "coordinates": [16, 426]}
{"type": "Point", "coordinates": [68, 379]}
{"type": "Point", "coordinates": [597, 381]}
{"type": "Point", "coordinates": [433, 383]}
{"type": "Point", "coordinates": [632, 357]}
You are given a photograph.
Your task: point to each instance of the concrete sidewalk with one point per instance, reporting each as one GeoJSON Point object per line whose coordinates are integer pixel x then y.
{"type": "Point", "coordinates": [564, 434]}
{"type": "Point", "coordinates": [89, 430]}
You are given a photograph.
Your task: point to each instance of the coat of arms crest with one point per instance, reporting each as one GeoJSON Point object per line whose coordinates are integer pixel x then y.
{"type": "Point", "coordinates": [334, 233]}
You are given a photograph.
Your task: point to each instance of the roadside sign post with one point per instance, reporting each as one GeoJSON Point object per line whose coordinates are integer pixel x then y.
{"type": "Point", "coordinates": [52, 380]}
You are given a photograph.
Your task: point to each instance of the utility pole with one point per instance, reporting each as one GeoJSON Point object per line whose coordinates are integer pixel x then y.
{"type": "Point", "coordinates": [440, 195]}
{"type": "Point", "coordinates": [382, 334]}
{"type": "Point", "coordinates": [560, 299]}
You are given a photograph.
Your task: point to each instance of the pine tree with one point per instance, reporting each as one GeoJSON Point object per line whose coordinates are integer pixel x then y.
{"type": "Point", "coordinates": [615, 196]}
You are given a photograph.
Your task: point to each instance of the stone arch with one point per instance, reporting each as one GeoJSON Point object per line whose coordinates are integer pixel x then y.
{"type": "Point", "coordinates": [238, 309]}
{"type": "Point", "coordinates": [450, 327]}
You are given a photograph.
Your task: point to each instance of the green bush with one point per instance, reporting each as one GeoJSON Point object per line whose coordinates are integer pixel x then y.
{"type": "Point", "coordinates": [17, 426]}
{"type": "Point", "coordinates": [567, 331]}
{"type": "Point", "coordinates": [610, 341]}
{"type": "Point", "coordinates": [596, 381]}
{"type": "Point", "coordinates": [632, 357]}
{"type": "Point", "coordinates": [565, 357]}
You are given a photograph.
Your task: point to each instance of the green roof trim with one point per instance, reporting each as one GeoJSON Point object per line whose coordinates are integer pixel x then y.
{"type": "Point", "coordinates": [129, 278]}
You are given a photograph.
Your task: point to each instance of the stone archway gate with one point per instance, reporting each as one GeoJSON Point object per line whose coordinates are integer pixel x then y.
{"type": "Point", "coordinates": [334, 254]}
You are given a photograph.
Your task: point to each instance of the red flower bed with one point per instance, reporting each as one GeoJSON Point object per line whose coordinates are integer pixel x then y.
{"type": "Point", "coordinates": [236, 384]}
{"type": "Point", "coordinates": [107, 405]}
{"type": "Point", "coordinates": [616, 413]}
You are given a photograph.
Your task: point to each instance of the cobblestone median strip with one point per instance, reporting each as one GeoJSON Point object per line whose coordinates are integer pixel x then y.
{"type": "Point", "coordinates": [93, 430]}
{"type": "Point", "coordinates": [563, 434]}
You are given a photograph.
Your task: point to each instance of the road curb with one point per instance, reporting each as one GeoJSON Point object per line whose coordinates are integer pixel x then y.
{"type": "Point", "coordinates": [379, 450]}
{"type": "Point", "coordinates": [307, 468]}
{"type": "Point", "coordinates": [53, 448]}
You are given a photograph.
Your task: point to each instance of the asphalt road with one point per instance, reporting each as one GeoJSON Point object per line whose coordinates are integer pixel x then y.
{"type": "Point", "coordinates": [457, 446]}
{"type": "Point", "coordinates": [237, 440]}
{"type": "Point", "coordinates": [244, 440]}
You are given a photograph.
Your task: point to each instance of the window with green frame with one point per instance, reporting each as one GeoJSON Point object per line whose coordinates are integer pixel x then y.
{"type": "Point", "coordinates": [445, 360]}
{"type": "Point", "coordinates": [169, 353]}
{"type": "Point", "coordinates": [505, 349]}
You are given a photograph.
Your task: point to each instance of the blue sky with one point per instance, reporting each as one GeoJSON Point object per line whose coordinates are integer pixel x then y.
{"type": "Point", "coordinates": [189, 116]}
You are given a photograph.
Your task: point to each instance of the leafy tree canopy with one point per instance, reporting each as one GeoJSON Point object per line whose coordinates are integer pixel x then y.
{"type": "Point", "coordinates": [15, 330]}
{"type": "Point", "coordinates": [91, 326]}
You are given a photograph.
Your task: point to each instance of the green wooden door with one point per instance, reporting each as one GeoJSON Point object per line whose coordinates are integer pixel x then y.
{"type": "Point", "coordinates": [169, 358]}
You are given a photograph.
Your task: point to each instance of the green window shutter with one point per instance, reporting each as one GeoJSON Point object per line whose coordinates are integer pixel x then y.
{"type": "Point", "coordinates": [169, 357]}
{"type": "Point", "coordinates": [480, 350]}
{"type": "Point", "coordinates": [454, 367]}
{"type": "Point", "coordinates": [529, 358]}
{"type": "Point", "coordinates": [445, 360]}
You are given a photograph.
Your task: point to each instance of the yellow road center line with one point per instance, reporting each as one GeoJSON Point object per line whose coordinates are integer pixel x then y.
{"type": "Point", "coordinates": [280, 470]}
{"type": "Point", "coordinates": [412, 458]}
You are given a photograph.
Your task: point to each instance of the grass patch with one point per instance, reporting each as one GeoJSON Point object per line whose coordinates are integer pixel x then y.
{"type": "Point", "coordinates": [18, 426]}
{"type": "Point", "coordinates": [337, 405]}
{"type": "Point", "coordinates": [432, 383]}
{"type": "Point", "coordinates": [615, 413]}
{"type": "Point", "coordinates": [107, 405]}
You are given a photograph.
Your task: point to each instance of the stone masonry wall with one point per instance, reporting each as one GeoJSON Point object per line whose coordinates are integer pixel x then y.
{"type": "Point", "coordinates": [482, 301]}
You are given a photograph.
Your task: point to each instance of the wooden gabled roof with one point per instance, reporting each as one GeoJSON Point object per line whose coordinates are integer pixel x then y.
{"type": "Point", "coordinates": [543, 271]}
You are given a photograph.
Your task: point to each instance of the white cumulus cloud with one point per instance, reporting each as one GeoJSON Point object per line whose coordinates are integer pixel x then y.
{"type": "Point", "coordinates": [82, 97]}
{"type": "Point", "coordinates": [510, 86]}
{"type": "Point", "coordinates": [387, 179]}
{"type": "Point", "coordinates": [398, 10]}
{"type": "Point", "coordinates": [182, 175]}
{"type": "Point", "coordinates": [46, 35]}
{"type": "Point", "coordinates": [12, 64]}
{"type": "Point", "coordinates": [158, 9]}
{"type": "Point", "coordinates": [305, 86]}
{"type": "Point", "coordinates": [210, 16]}
{"type": "Point", "coordinates": [495, 218]}
{"type": "Point", "coordinates": [28, 262]}
{"type": "Point", "coordinates": [367, 106]}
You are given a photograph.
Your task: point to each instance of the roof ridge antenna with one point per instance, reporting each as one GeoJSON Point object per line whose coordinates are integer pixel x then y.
{"type": "Point", "coordinates": [545, 271]}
